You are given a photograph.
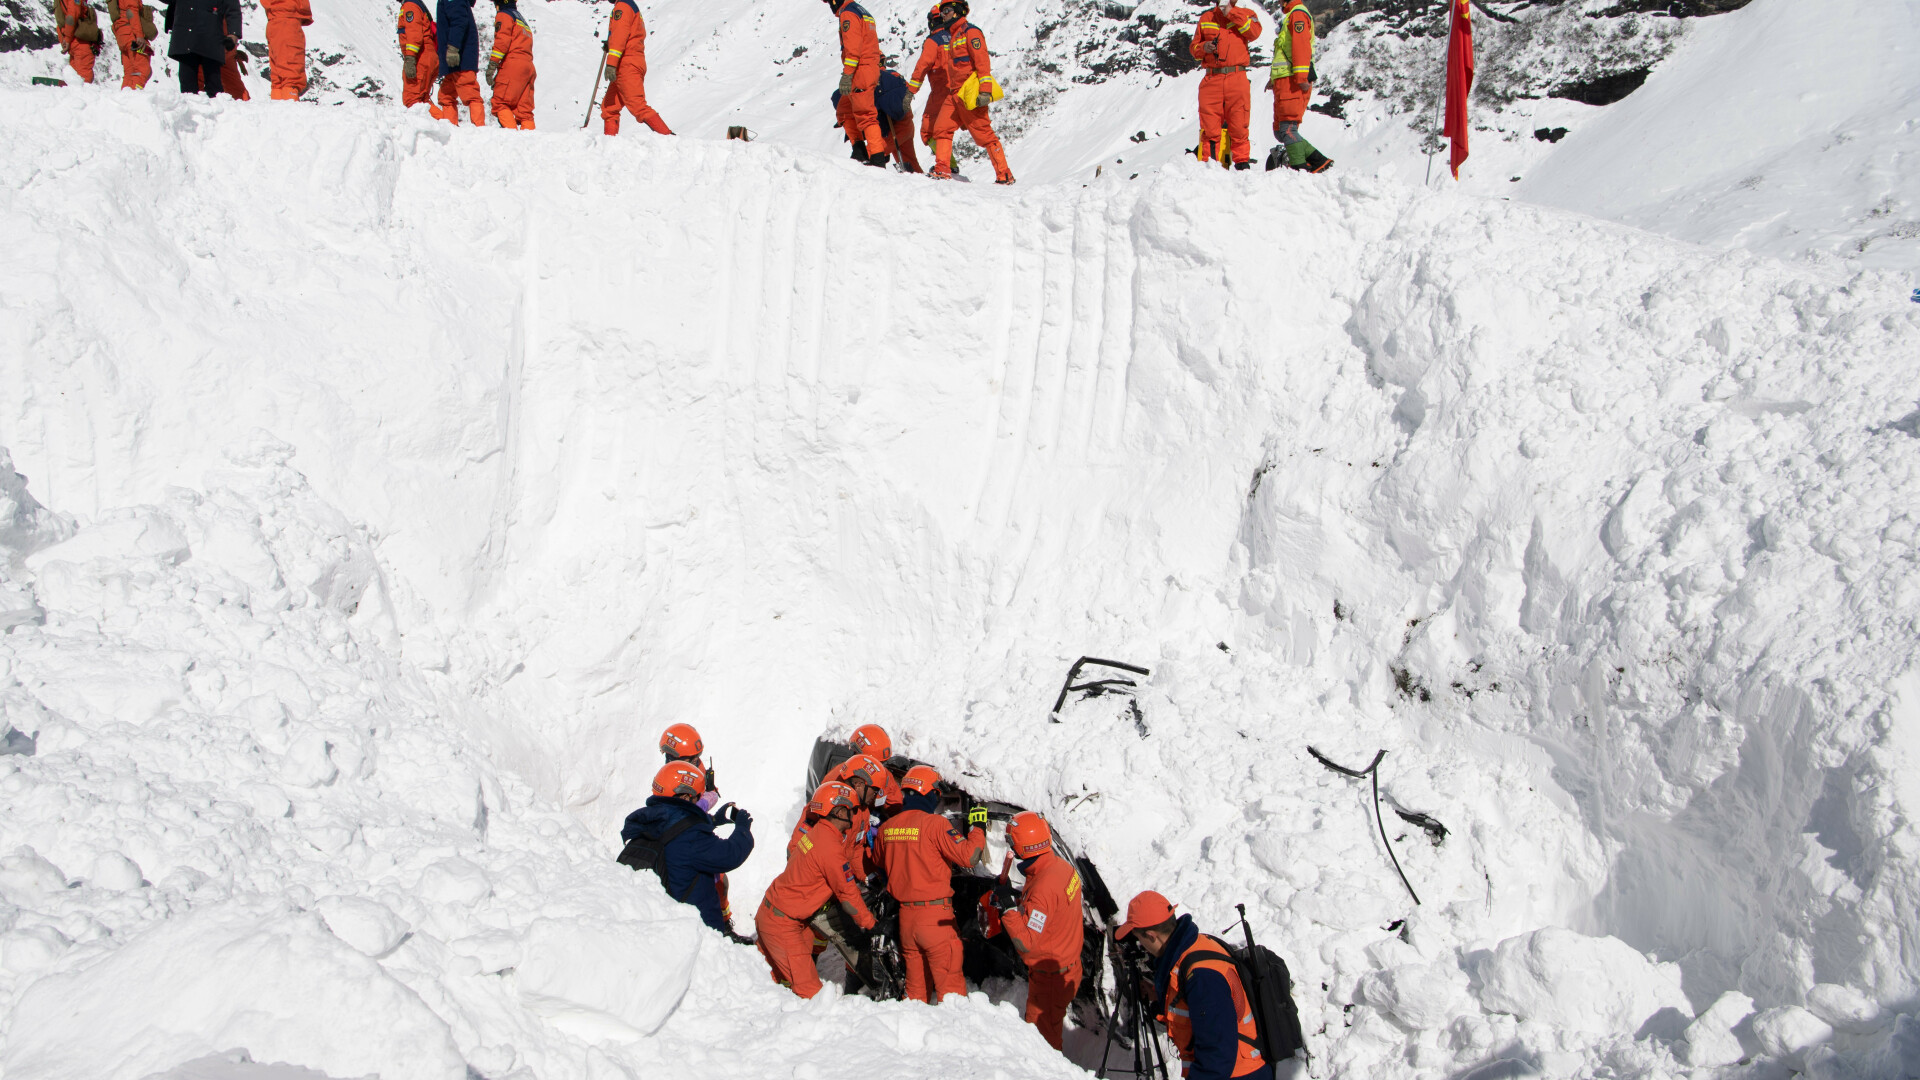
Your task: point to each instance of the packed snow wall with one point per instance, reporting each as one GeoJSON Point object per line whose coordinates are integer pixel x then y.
{"type": "Point", "coordinates": [1605, 538]}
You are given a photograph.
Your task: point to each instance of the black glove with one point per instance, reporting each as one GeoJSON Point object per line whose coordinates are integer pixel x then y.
{"type": "Point", "coordinates": [1003, 895]}
{"type": "Point", "coordinates": [976, 816]}
{"type": "Point", "coordinates": [741, 818]}
{"type": "Point", "coordinates": [230, 42]}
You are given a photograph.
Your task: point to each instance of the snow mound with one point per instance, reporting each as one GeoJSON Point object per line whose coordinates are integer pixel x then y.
{"type": "Point", "coordinates": [1603, 537]}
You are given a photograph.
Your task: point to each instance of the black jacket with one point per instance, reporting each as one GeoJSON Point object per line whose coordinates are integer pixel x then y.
{"type": "Point", "coordinates": [200, 28]}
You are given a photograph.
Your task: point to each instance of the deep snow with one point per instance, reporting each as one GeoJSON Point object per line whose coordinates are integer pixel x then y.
{"type": "Point", "coordinates": [1608, 539]}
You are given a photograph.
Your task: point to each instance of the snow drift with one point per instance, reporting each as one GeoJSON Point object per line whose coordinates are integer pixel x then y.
{"type": "Point", "coordinates": [1606, 538]}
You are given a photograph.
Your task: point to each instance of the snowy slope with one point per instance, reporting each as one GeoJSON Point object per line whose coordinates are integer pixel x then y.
{"type": "Point", "coordinates": [1607, 539]}
{"type": "Point", "coordinates": [1769, 130]}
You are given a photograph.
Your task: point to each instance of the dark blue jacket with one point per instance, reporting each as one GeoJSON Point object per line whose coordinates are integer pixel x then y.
{"type": "Point", "coordinates": [1216, 1030]}
{"type": "Point", "coordinates": [696, 855]}
{"type": "Point", "coordinates": [453, 21]}
{"type": "Point", "coordinates": [890, 100]}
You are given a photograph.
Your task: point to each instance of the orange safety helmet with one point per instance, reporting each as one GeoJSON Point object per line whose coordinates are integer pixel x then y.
{"type": "Point", "coordinates": [872, 739]}
{"type": "Point", "coordinates": [864, 766]}
{"type": "Point", "coordinates": [1028, 834]}
{"type": "Point", "coordinates": [921, 778]}
{"type": "Point", "coordinates": [680, 742]}
{"type": "Point", "coordinates": [830, 796]}
{"type": "Point", "coordinates": [680, 780]}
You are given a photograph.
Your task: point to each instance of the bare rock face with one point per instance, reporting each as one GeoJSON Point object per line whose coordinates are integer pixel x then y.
{"type": "Point", "coordinates": [25, 24]}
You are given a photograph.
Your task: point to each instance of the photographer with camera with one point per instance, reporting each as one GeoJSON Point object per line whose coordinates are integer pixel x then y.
{"type": "Point", "coordinates": [1198, 993]}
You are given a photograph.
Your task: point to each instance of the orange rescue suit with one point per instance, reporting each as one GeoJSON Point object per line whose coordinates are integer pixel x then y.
{"type": "Point", "coordinates": [1291, 78]}
{"type": "Point", "coordinates": [230, 76]}
{"type": "Point", "coordinates": [966, 54]}
{"type": "Point", "coordinates": [1047, 933]}
{"type": "Point", "coordinates": [920, 851]}
{"type": "Point", "coordinates": [513, 84]}
{"type": "Point", "coordinates": [1208, 954]}
{"type": "Point", "coordinates": [860, 58]}
{"type": "Point", "coordinates": [816, 871]}
{"type": "Point", "coordinates": [69, 16]}
{"type": "Point", "coordinates": [136, 49]}
{"type": "Point", "coordinates": [420, 44]}
{"type": "Point", "coordinates": [627, 55]}
{"type": "Point", "coordinates": [287, 46]}
{"type": "Point", "coordinates": [1220, 44]}
{"type": "Point", "coordinates": [931, 69]}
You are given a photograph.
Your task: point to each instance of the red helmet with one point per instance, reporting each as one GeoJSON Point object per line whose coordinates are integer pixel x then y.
{"type": "Point", "coordinates": [1028, 834]}
{"type": "Point", "coordinates": [830, 796]}
{"type": "Point", "coordinates": [679, 780]}
{"type": "Point", "coordinates": [921, 778]}
{"type": "Point", "coordinates": [680, 742]}
{"type": "Point", "coordinates": [864, 766]}
{"type": "Point", "coordinates": [872, 739]}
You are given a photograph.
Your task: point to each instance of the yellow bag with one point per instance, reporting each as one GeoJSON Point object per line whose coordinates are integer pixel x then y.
{"type": "Point", "coordinates": [969, 92]}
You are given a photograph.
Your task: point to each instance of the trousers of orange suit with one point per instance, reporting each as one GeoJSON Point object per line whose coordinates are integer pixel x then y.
{"type": "Point", "coordinates": [860, 118]}
{"type": "Point", "coordinates": [513, 94]}
{"type": "Point", "coordinates": [457, 87]}
{"type": "Point", "coordinates": [420, 88]}
{"type": "Point", "coordinates": [1049, 992]}
{"type": "Point", "coordinates": [80, 57]}
{"type": "Point", "coordinates": [230, 81]}
{"type": "Point", "coordinates": [930, 948]}
{"type": "Point", "coordinates": [629, 91]}
{"type": "Point", "coordinates": [954, 117]}
{"type": "Point", "coordinates": [136, 67]}
{"type": "Point", "coordinates": [1290, 105]}
{"type": "Point", "coordinates": [900, 143]}
{"type": "Point", "coordinates": [1225, 102]}
{"type": "Point", "coordinates": [788, 947]}
{"type": "Point", "coordinates": [287, 53]}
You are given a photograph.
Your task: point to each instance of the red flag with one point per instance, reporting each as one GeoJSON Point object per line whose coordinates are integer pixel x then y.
{"type": "Point", "coordinates": [1459, 81]}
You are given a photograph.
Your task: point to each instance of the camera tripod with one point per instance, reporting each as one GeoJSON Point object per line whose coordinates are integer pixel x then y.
{"type": "Point", "coordinates": [1130, 1012]}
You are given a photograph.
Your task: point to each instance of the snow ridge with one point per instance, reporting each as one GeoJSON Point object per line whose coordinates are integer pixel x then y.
{"type": "Point", "coordinates": [1603, 537]}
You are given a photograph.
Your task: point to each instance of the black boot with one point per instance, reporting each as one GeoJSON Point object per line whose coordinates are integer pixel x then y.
{"type": "Point", "coordinates": [1317, 162]}
{"type": "Point", "coordinates": [878, 161]}
{"type": "Point", "coordinates": [860, 151]}
{"type": "Point", "coordinates": [1242, 166]}
{"type": "Point", "coordinates": [1276, 157]}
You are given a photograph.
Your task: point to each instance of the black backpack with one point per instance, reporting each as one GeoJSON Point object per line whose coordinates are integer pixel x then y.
{"type": "Point", "coordinates": [1269, 986]}
{"type": "Point", "coordinates": [643, 853]}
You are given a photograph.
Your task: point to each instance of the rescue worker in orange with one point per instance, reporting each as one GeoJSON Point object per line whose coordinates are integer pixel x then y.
{"type": "Point", "coordinates": [859, 75]}
{"type": "Point", "coordinates": [78, 28]}
{"type": "Point", "coordinates": [419, 53]}
{"type": "Point", "coordinates": [459, 62]}
{"type": "Point", "coordinates": [966, 56]}
{"type": "Point", "coordinates": [133, 31]}
{"type": "Point", "coordinates": [931, 69]}
{"type": "Point", "coordinates": [1044, 923]}
{"type": "Point", "coordinates": [626, 72]}
{"type": "Point", "coordinates": [1220, 44]}
{"type": "Point", "coordinates": [1291, 80]}
{"type": "Point", "coordinates": [1198, 991]}
{"type": "Point", "coordinates": [920, 850]}
{"type": "Point", "coordinates": [873, 741]}
{"type": "Point", "coordinates": [816, 872]}
{"type": "Point", "coordinates": [510, 67]}
{"type": "Point", "coordinates": [287, 46]}
{"type": "Point", "coordinates": [863, 774]}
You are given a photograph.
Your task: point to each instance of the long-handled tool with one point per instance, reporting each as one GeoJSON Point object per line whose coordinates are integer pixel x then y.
{"type": "Point", "coordinates": [600, 73]}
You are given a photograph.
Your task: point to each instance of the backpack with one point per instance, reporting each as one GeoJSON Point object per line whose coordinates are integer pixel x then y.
{"type": "Point", "coordinates": [642, 853]}
{"type": "Point", "coordinates": [1269, 987]}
